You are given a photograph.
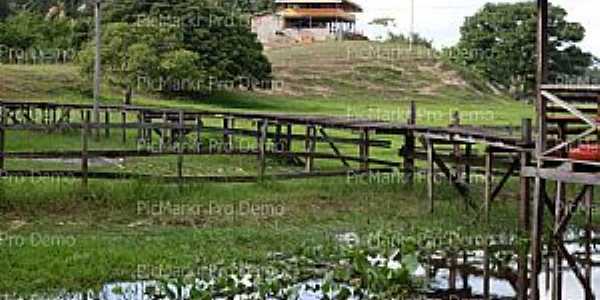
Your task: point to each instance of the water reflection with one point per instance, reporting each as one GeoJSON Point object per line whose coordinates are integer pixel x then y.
{"type": "Point", "coordinates": [450, 275]}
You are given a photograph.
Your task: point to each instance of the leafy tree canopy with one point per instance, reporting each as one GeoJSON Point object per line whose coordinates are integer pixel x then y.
{"type": "Point", "coordinates": [178, 47]}
{"type": "Point", "coordinates": [499, 42]}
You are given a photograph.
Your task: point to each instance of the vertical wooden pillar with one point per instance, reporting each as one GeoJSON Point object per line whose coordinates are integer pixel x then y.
{"type": "Point", "coordinates": [310, 147]}
{"type": "Point", "coordinates": [4, 122]}
{"type": "Point", "coordinates": [227, 135]}
{"type": "Point", "coordinates": [524, 209]}
{"type": "Point", "coordinates": [180, 146]}
{"type": "Point", "coordinates": [452, 272]}
{"type": "Point", "coordinates": [589, 197]}
{"type": "Point", "coordinates": [364, 150]}
{"type": "Point", "coordinates": [278, 143]}
{"type": "Point", "coordinates": [262, 140]}
{"type": "Point", "coordinates": [486, 269]}
{"type": "Point", "coordinates": [489, 183]}
{"type": "Point", "coordinates": [140, 131]}
{"type": "Point", "coordinates": [198, 133]}
{"type": "Point", "coordinates": [164, 132]}
{"type": "Point", "coordinates": [558, 259]}
{"type": "Point", "coordinates": [409, 146]}
{"type": "Point", "coordinates": [540, 184]}
{"type": "Point", "coordinates": [525, 193]}
{"type": "Point", "coordinates": [85, 131]}
{"type": "Point", "coordinates": [107, 123]}
{"type": "Point", "coordinates": [536, 235]}
{"type": "Point", "coordinates": [124, 124]}
{"type": "Point", "coordinates": [430, 173]}
{"type": "Point", "coordinates": [456, 149]}
{"type": "Point", "coordinates": [468, 153]}
{"type": "Point", "coordinates": [289, 138]}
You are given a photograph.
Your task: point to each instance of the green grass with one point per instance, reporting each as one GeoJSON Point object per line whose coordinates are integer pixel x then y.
{"type": "Point", "coordinates": [104, 234]}
{"type": "Point", "coordinates": [111, 238]}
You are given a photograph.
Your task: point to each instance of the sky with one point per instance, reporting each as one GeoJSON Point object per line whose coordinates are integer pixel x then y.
{"type": "Point", "coordinates": [440, 20]}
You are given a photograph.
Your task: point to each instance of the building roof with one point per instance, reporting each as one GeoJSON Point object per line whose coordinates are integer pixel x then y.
{"type": "Point", "coordinates": [317, 13]}
{"type": "Point", "coordinates": [356, 7]}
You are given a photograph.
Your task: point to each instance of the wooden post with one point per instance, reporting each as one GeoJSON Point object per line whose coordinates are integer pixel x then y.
{"type": "Point", "coordinates": [140, 131]}
{"type": "Point", "coordinates": [227, 137]}
{"type": "Point", "coordinates": [489, 184]}
{"type": "Point", "coordinates": [262, 140]}
{"type": "Point", "coordinates": [107, 123]}
{"type": "Point", "coordinates": [430, 173]}
{"type": "Point", "coordinates": [527, 137]}
{"type": "Point", "coordinates": [409, 146]}
{"type": "Point", "coordinates": [278, 141]}
{"type": "Point", "coordinates": [309, 147]}
{"type": "Point", "coordinates": [4, 121]}
{"type": "Point", "coordinates": [124, 124]}
{"type": "Point", "coordinates": [198, 133]}
{"type": "Point", "coordinates": [364, 150]}
{"type": "Point", "coordinates": [486, 269]}
{"type": "Point", "coordinates": [524, 210]}
{"type": "Point", "coordinates": [85, 131]}
{"type": "Point", "coordinates": [289, 138]}
{"type": "Point", "coordinates": [456, 151]}
{"type": "Point", "coordinates": [589, 198]}
{"type": "Point", "coordinates": [468, 153]}
{"type": "Point", "coordinates": [180, 146]}
{"type": "Point", "coordinates": [540, 184]}
{"type": "Point", "coordinates": [163, 133]}
{"type": "Point", "coordinates": [558, 213]}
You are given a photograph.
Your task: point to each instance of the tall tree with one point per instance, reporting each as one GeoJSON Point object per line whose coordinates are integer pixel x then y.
{"type": "Point", "coordinates": [499, 42]}
{"type": "Point", "coordinates": [192, 41]}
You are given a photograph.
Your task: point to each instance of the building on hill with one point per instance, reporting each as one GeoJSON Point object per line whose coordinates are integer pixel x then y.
{"type": "Point", "coordinates": [301, 20]}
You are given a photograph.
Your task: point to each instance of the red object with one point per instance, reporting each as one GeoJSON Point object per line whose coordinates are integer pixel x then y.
{"type": "Point", "coordinates": [586, 152]}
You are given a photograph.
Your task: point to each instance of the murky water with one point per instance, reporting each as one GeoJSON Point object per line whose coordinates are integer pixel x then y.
{"type": "Point", "coordinates": [456, 276]}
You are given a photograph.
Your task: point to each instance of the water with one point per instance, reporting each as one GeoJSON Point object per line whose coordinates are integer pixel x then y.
{"type": "Point", "coordinates": [449, 276]}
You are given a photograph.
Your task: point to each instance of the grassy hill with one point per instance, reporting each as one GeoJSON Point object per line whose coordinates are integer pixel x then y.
{"type": "Point", "coordinates": [336, 78]}
{"type": "Point", "coordinates": [364, 69]}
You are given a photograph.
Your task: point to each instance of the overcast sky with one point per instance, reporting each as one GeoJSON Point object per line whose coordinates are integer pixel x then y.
{"type": "Point", "coordinates": [440, 20]}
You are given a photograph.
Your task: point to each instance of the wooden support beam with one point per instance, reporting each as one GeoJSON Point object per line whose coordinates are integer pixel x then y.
{"type": "Point", "coordinates": [486, 269]}
{"type": "Point", "coordinates": [124, 130]}
{"type": "Point", "coordinates": [430, 173]}
{"type": "Point", "coordinates": [277, 140]}
{"type": "Point", "coordinates": [334, 147]}
{"type": "Point", "coordinates": [409, 146]}
{"type": "Point", "coordinates": [525, 182]}
{"type": "Point", "coordinates": [262, 148]}
{"type": "Point", "coordinates": [505, 179]}
{"type": "Point", "coordinates": [107, 122]}
{"type": "Point", "coordinates": [163, 134]}
{"type": "Point", "coordinates": [3, 122]}
{"type": "Point", "coordinates": [198, 133]}
{"type": "Point", "coordinates": [489, 166]}
{"type": "Point", "coordinates": [558, 239]}
{"type": "Point", "coordinates": [536, 236]}
{"type": "Point", "coordinates": [463, 190]}
{"type": "Point", "coordinates": [228, 123]}
{"type": "Point", "coordinates": [310, 147]}
{"type": "Point", "coordinates": [180, 146]}
{"type": "Point", "coordinates": [589, 198]}
{"type": "Point", "coordinates": [140, 132]}
{"type": "Point", "coordinates": [364, 149]}
{"type": "Point", "coordinates": [456, 150]}
{"type": "Point", "coordinates": [85, 132]}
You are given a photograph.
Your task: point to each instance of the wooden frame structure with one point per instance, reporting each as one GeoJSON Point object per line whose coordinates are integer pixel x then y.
{"type": "Point", "coordinates": [567, 115]}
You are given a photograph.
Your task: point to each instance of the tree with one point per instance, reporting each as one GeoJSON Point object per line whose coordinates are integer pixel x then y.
{"type": "Point", "coordinates": [499, 43]}
{"type": "Point", "coordinates": [190, 43]}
